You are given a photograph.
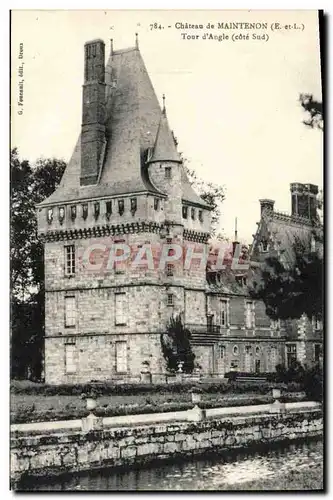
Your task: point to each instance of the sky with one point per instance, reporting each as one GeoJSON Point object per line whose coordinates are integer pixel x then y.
{"type": "Point", "coordinates": [233, 105]}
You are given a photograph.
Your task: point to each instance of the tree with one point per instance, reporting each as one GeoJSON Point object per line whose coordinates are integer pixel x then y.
{"type": "Point", "coordinates": [292, 284]}
{"type": "Point", "coordinates": [314, 109]}
{"type": "Point", "coordinates": [29, 186]}
{"type": "Point", "coordinates": [291, 287]}
{"type": "Point", "coordinates": [211, 193]}
{"type": "Point", "coordinates": [176, 346]}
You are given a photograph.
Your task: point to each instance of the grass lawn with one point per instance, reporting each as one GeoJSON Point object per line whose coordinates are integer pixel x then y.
{"type": "Point", "coordinates": [32, 402]}
{"type": "Point", "coordinates": [34, 408]}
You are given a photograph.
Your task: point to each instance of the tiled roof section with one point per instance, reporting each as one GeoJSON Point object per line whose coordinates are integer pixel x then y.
{"type": "Point", "coordinates": [188, 193]}
{"type": "Point", "coordinates": [164, 147]}
{"type": "Point", "coordinates": [280, 230]}
{"type": "Point", "coordinates": [133, 115]}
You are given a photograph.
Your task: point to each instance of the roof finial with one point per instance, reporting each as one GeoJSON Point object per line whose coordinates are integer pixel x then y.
{"type": "Point", "coordinates": [136, 40]}
{"type": "Point", "coordinates": [111, 45]}
{"type": "Point", "coordinates": [163, 97]}
{"type": "Point", "coordinates": [236, 229]}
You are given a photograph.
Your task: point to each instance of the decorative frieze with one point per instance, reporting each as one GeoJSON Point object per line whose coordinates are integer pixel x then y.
{"type": "Point", "coordinates": [103, 230]}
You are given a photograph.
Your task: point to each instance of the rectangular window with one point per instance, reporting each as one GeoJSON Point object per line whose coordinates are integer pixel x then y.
{"type": "Point", "coordinates": [70, 311]}
{"type": "Point", "coordinates": [121, 357]}
{"type": "Point", "coordinates": [73, 212]}
{"type": "Point", "coordinates": [222, 351]}
{"type": "Point", "coordinates": [50, 215]}
{"type": "Point", "coordinates": [168, 172]}
{"type": "Point", "coordinates": [192, 213]}
{"type": "Point", "coordinates": [120, 309]}
{"type": "Point", "coordinates": [170, 299]}
{"type": "Point", "coordinates": [96, 210]}
{"type": "Point", "coordinates": [70, 362]}
{"type": "Point", "coordinates": [185, 212]}
{"type": "Point", "coordinates": [108, 206]}
{"type": "Point", "coordinates": [133, 205]}
{"type": "Point", "coordinates": [317, 324]}
{"type": "Point", "coordinates": [121, 207]}
{"type": "Point", "coordinates": [249, 314]}
{"type": "Point", "coordinates": [224, 313]}
{"type": "Point", "coordinates": [317, 352]}
{"type": "Point", "coordinates": [200, 216]}
{"type": "Point", "coordinates": [85, 210]}
{"type": "Point", "coordinates": [70, 260]}
{"type": "Point", "coordinates": [169, 270]}
{"type": "Point", "coordinates": [156, 203]}
{"type": "Point", "coordinates": [291, 354]}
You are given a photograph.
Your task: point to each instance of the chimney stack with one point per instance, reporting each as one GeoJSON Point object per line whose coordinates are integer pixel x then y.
{"type": "Point", "coordinates": [304, 200]}
{"type": "Point", "coordinates": [266, 205]}
{"type": "Point", "coordinates": [93, 112]}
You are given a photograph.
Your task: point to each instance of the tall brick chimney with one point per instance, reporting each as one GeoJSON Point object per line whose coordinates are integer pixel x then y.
{"type": "Point", "coordinates": [93, 112]}
{"type": "Point", "coordinates": [304, 200]}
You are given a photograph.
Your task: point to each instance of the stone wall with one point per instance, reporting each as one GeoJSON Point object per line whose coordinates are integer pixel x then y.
{"type": "Point", "coordinates": [71, 451]}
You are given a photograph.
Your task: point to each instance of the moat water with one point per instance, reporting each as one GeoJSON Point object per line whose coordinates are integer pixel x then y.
{"type": "Point", "coordinates": [296, 466]}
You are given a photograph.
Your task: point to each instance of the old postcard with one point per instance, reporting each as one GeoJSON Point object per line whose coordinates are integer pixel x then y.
{"type": "Point", "coordinates": [166, 250]}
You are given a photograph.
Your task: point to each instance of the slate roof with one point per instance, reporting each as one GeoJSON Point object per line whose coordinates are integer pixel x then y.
{"type": "Point", "coordinates": [164, 147]}
{"type": "Point", "coordinates": [134, 118]}
{"type": "Point", "coordinates": [280, 230]}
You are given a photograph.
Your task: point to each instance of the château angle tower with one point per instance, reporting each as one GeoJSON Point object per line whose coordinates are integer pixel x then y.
{"type": "Point", "coordinates": [125, 183]}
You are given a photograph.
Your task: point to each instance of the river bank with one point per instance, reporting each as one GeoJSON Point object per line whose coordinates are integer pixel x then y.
{"type": "Point", "coordinates": [74, 450]}
{"type": "Point", "coordinates": [283, 466]}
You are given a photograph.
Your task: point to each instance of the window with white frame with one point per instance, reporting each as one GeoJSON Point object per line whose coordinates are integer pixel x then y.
{"type": "Point", "coordinates": [249, 314]}
{"type": "Point", "coordinates": [224, 313]}
{"type": "Point", "coordinates": [235, 350]}
{"type": "Point", "coordinates": [121, 357]}
{"type": "Point", "coordinates": [70, 311]}
{"type": "Point", "coordinates": [70, 358]}
{"type": "Point", "coordinates": [70, 260]}
{"type": "Point", "coordinates": [120, 308]}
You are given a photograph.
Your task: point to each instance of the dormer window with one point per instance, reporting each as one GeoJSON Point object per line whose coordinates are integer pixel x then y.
{"type": "Point", "coordinates": [96, 210]}
{"type": "Point", "coordinates": [121, 207]}
{"type": "Point", "coordinates": [85, 210]}
{"type": "Point", "coordinates": [168, 172]}
{"type": "Point", "coordinates": [156, 203]}
{"type": "Point", "coordinates": [192, 213]}
{"type": "Point", "coordinates": [264, 246]}
{"type": "Point", "coordinates": [73, 212]}
{"type": "Point", "coordinates": [185, 212]}
{"type": "Point", "coordinates": [61, 214]}
{"type": "Point", "coordinates": [200, 216]}
{"type": "Point", "coordinates": [108, 206]}
{"type": "Point", "coordinates": [133, 205]}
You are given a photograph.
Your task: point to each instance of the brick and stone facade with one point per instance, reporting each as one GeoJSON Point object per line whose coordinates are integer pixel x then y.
{"type": "Point", "coordinates": [126, 185]}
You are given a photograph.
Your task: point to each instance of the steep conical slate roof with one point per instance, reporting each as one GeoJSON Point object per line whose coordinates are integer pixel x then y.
{"type": "Point", "coordinates": [165, 147]}
{"type": "Point", "coordinates": [135, 122]}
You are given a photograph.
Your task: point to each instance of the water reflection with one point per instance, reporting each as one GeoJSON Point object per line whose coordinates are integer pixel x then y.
{"type": "Point", "coordinates": [289, 467]}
